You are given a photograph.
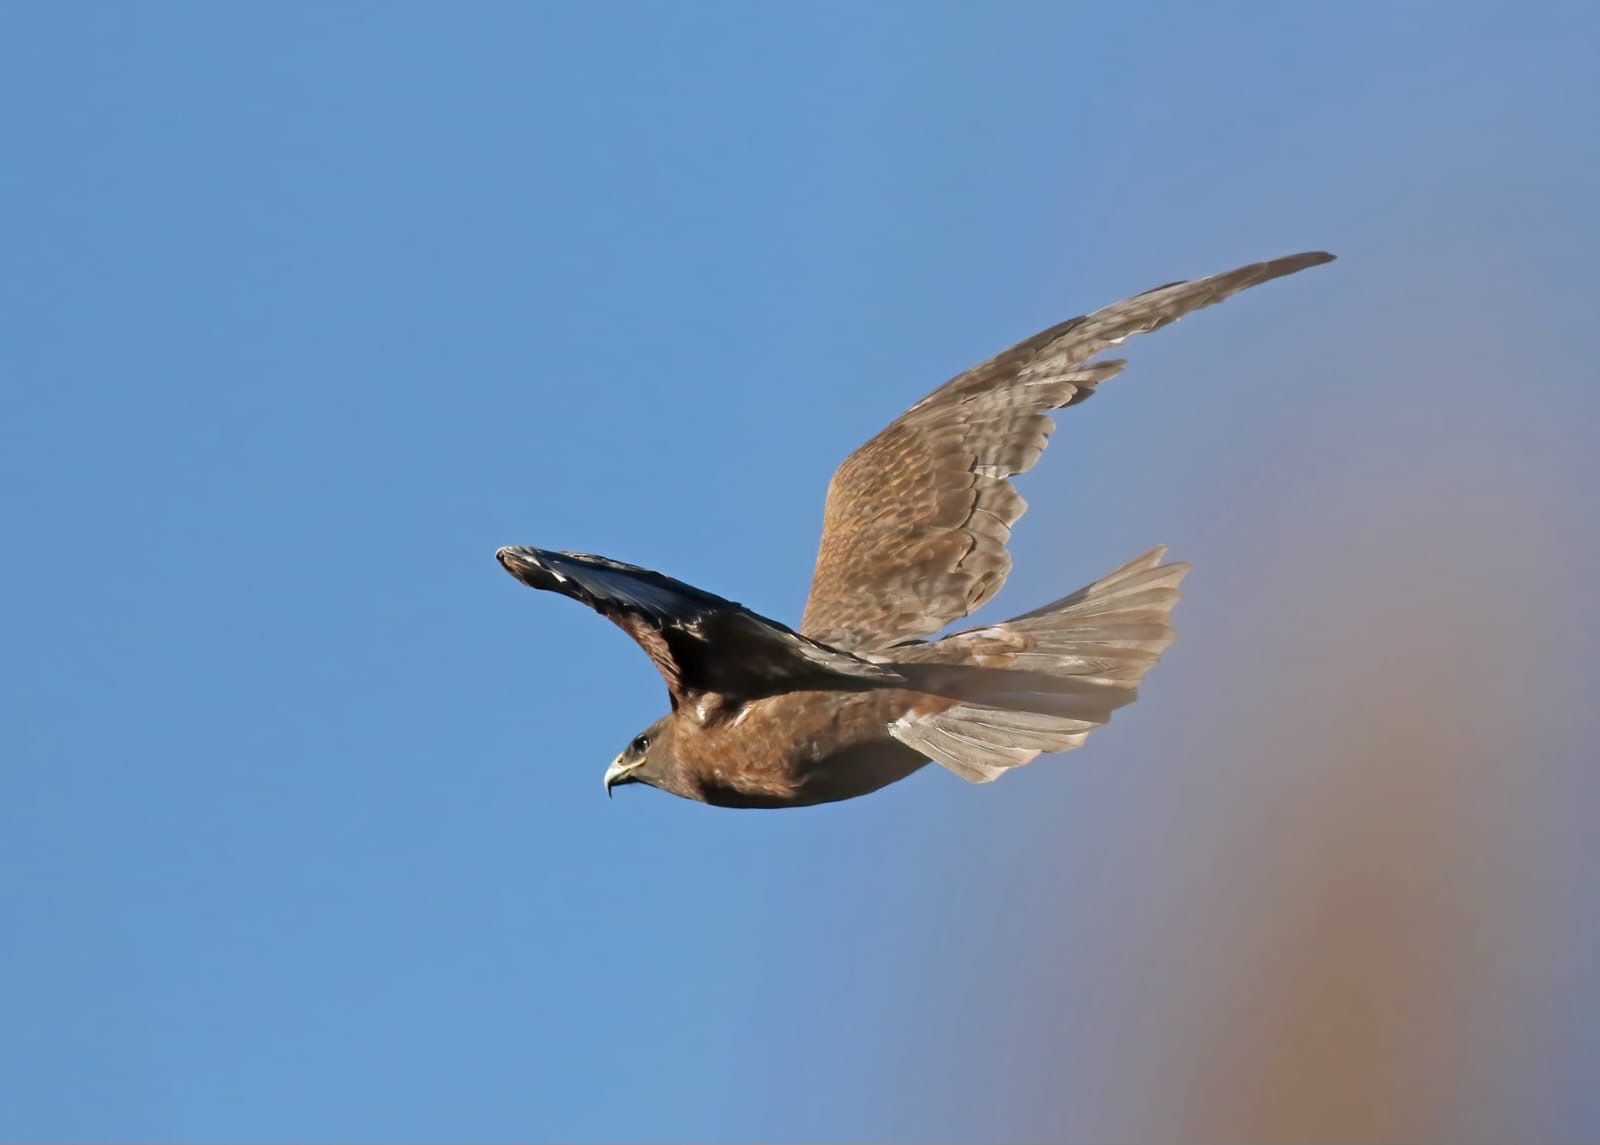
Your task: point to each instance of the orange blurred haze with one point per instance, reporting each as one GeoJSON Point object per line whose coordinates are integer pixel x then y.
{"type": "Point", "coordinates": [1332, 878]}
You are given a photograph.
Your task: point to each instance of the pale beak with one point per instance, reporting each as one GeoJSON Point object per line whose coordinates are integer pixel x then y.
{"type": "Point", "coordinates": [618, 772]}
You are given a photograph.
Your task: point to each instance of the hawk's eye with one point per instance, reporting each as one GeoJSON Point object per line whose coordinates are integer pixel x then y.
{"type": "Point", "coordinates": [640, 743]}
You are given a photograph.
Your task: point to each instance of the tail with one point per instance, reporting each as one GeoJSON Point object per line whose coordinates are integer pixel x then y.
{"type": "Point", "coordinates": [1043, 681]}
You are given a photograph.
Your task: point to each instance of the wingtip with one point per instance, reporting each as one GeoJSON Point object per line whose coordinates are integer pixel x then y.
{"type": "Point", "coordinates": [526, 564]}
{"type": "Point", "coordinates": [1279, 267]}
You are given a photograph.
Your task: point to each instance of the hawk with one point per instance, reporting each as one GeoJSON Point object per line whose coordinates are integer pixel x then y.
{"type": "Point", "coordinates": [914, 537]}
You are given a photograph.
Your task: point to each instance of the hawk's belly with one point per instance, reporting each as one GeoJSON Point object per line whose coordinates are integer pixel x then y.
{"type": "Point", "coordinates": [802, 748]}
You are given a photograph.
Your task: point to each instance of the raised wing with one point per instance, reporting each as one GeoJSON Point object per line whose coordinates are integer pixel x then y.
{"type": "Point", "coordinates": [714, 654]}
{"type": "Point", "coordinates": [915, 529]}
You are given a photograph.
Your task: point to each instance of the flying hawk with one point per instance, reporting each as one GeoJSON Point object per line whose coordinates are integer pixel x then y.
{"type": "Point", "coordinates": [913, 537]}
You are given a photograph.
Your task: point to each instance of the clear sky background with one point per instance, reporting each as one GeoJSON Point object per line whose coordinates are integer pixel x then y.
{"type": "Point", "coordinates": [307, 308]}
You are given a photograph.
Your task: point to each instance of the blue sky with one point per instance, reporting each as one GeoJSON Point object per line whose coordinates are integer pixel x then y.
{"type": "Point", "coordinates": [311, 307]}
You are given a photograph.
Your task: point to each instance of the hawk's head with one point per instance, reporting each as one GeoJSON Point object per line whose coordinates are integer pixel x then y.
{"type": "Point", "coordinates": [646, 759]}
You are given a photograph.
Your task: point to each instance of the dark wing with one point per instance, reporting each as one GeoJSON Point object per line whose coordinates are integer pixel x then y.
{"type": "Point", "coordinates": [707, 648]}
{"type": "Point", "coordinates": [915, 529]}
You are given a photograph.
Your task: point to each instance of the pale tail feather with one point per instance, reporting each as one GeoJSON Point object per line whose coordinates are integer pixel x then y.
{"type": "Point", "coordinates": [1066, 668]}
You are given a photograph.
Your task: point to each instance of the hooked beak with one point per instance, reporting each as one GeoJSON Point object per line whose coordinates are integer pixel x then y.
{"type": "Point", "coordinates": [619, 772]}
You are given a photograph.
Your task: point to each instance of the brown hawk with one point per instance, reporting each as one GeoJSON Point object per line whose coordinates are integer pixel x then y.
{"type": "Point", "coordinates": [913, 537]}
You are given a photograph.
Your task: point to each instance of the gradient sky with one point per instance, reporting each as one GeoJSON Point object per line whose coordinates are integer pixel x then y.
{"type": "Point", "coordinates": [309, 307]}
